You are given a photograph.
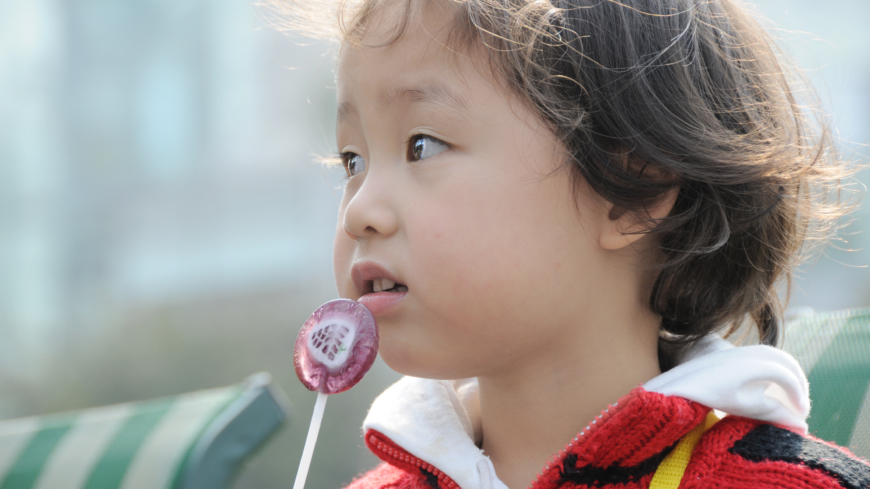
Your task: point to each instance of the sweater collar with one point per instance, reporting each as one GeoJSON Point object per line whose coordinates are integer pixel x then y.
{"type": "Point", "coordinates": [436, 424]}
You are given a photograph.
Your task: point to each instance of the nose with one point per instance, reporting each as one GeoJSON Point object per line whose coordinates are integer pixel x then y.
{"type": "Point", "coordinates": [371, 210]}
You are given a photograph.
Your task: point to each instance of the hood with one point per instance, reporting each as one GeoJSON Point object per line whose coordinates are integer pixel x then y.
{"type": "Point", "coordinates": [438, 421]}
{"type": "Point", "coordinates": [757, 382]}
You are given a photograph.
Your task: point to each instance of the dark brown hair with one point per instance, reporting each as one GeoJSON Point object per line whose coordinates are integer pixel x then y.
{"type": "Point", "coordinates": [692, 94]}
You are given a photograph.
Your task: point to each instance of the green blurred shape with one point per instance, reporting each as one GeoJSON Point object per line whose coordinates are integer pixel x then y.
{"type": "Point", "coordinates": [26, 469]}
{"type": "Point", "coordinates": [197, 440]}
{"type": "Point", "coordinates": [110, 470]}
{"type": "Point", "coordinates": [834, 348]}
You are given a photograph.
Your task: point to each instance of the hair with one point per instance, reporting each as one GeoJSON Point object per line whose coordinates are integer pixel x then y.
{"type": "Point", "coordinates": [652, 95]}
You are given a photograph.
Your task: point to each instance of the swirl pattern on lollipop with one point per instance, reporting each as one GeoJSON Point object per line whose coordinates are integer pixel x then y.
{"type": "Point", "coordinates": [336, 346]}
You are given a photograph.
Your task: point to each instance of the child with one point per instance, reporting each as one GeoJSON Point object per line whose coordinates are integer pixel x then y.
{"type": "Point", "coordinates": [552, 208]}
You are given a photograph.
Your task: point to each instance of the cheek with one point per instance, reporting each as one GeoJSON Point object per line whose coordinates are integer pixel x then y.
{"type": "Point", "coordinates": [463, 252]}
{"type": "Point", "coordinates": [492, 260]}
{"type": "Point", "coordinates": [342, 258]}
{"type": "Point", "coordinates": [467, 299]}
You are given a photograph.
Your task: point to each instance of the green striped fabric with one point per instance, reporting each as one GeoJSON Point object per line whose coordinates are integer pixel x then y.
{"type": "Point", "coordinates": [834, 349]}
{"type": "Point", "coordinates": [192, 441]}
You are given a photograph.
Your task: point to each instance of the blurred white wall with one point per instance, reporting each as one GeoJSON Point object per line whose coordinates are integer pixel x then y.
{"type": "Point", "coordinates": [831, 43]}
{"type": "Point", "coordinates": [153, 151]}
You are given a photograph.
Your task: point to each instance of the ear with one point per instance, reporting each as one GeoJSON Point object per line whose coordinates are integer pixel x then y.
{"type": "Point", "coordinates": [620, 228]}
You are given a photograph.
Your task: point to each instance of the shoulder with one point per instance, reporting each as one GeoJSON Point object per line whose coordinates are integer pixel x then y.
{"type": "Point", "coordinates": [739, 452]}
{"type": "Point", "coordinates": [386, 476]}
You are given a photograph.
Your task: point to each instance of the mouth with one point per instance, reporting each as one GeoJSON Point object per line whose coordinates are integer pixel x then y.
{"type": "Point", "coordinates": [370, 277]}
{"type": "Point", "coordinates": [379, 289]}
{"type": "Point", "coordinates": [384, 285]}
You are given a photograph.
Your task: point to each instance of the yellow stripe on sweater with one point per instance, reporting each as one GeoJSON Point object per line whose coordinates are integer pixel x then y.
{"type": "Point", "coordinates": [671, 470]}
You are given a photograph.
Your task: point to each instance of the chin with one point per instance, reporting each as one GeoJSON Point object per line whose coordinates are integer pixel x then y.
{"type": "Point", "coordinates": [403, 359]}
{"type": "Point", "coordinates": [422, 362]}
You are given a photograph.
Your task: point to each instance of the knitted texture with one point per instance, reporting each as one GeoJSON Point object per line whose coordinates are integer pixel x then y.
{"type": "Point", "coordinates": [670, 471]}
{"type": "Point", "coordinates": [624, 445]}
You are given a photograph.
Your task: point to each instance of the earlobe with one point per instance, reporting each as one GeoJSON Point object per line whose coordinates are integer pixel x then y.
{"type": "Point", "coordinates": [620, 228]}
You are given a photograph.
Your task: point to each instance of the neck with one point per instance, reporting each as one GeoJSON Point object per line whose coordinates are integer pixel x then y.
{"type": "Point", "coordinates": [528, 414]}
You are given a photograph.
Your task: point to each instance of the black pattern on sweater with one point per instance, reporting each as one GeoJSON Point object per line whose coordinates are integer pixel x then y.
{"type": "Point", "coordinates": [768, 442]}
{"type": "Point", "coordinates": [431, 478]}
{"type": "Point", "coordinates": [591, 476]}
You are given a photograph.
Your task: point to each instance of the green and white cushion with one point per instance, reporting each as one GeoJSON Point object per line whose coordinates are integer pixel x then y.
{"type": "Point", "coordinates": [191, 441]}
{"type": "Point", "coordinates": [834, 349]}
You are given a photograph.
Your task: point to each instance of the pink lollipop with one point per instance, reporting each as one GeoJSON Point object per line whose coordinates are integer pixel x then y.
{"type": "Point", "coordinates": [334, 350]}
{"type": "Point", "coordinates": [336, 346]}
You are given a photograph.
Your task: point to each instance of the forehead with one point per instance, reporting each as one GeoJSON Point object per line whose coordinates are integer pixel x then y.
{"type": "Point", "coordinates": [421, 65]}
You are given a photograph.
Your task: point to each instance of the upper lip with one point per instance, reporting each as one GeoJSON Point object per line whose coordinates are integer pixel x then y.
{"type": "Point", "coordinates": [363, 272]}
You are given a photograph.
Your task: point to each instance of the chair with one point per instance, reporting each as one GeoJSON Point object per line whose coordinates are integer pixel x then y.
{"type": "Point", "coordinates": [191, 441]}
{"type": "Point", "coordinates": [834, 349]}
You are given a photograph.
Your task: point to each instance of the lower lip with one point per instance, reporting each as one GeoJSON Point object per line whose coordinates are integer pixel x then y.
{"type": "Point", "coordinates": [381, 302]}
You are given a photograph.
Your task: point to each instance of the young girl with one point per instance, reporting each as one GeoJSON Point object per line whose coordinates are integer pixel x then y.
{"type": "Point", "coordinates": [555, 209]}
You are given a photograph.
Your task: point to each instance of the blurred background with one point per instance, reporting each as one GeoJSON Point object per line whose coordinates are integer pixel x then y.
{"type": "Point", "coordinates": [164, 228]}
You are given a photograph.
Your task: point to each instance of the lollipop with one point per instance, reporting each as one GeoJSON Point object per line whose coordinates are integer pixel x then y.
{"type": "Point", "coordinates": [334, 350]}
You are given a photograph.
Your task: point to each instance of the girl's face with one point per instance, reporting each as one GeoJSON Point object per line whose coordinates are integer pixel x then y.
{"type": "Point", "coordinates": [456, 192]}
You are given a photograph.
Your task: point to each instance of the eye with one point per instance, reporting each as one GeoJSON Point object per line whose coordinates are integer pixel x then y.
{"type": "Point", "coordinates": [422, 146]}
{"type": "Point", "coordinates": [353, 163]}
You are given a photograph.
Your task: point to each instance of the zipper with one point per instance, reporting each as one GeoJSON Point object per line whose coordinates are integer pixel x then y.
{"type": "Point", "coordinates": [558, 459]}
{"type": "Point", "coordinates": [390, 452]}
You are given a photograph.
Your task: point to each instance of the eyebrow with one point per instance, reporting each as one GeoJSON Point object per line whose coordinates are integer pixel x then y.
{"type": "Point", "coordinates": [435, 94]}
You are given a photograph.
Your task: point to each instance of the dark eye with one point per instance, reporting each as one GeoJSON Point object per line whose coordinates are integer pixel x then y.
{"type": "Point", "coordinates": [422, 146]}
{"type": "Point", "coordinates": [353, 163]}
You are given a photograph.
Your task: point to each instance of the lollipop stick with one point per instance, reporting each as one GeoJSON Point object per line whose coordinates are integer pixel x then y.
{"type": "Point", "coordinates": [308, 451]}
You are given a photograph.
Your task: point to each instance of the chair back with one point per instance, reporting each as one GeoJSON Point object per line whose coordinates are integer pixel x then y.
{"type": "Point", "coordinates": [834, 350]}
{"type": "Point", "coordinates": [191, 441]}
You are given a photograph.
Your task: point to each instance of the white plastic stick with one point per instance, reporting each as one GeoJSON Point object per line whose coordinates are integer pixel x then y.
{"type": "Point", "coordinates": [308, 451]}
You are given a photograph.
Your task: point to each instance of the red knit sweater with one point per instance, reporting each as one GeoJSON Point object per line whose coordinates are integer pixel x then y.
{"type": "Point", "coordinates": [623, 447]}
